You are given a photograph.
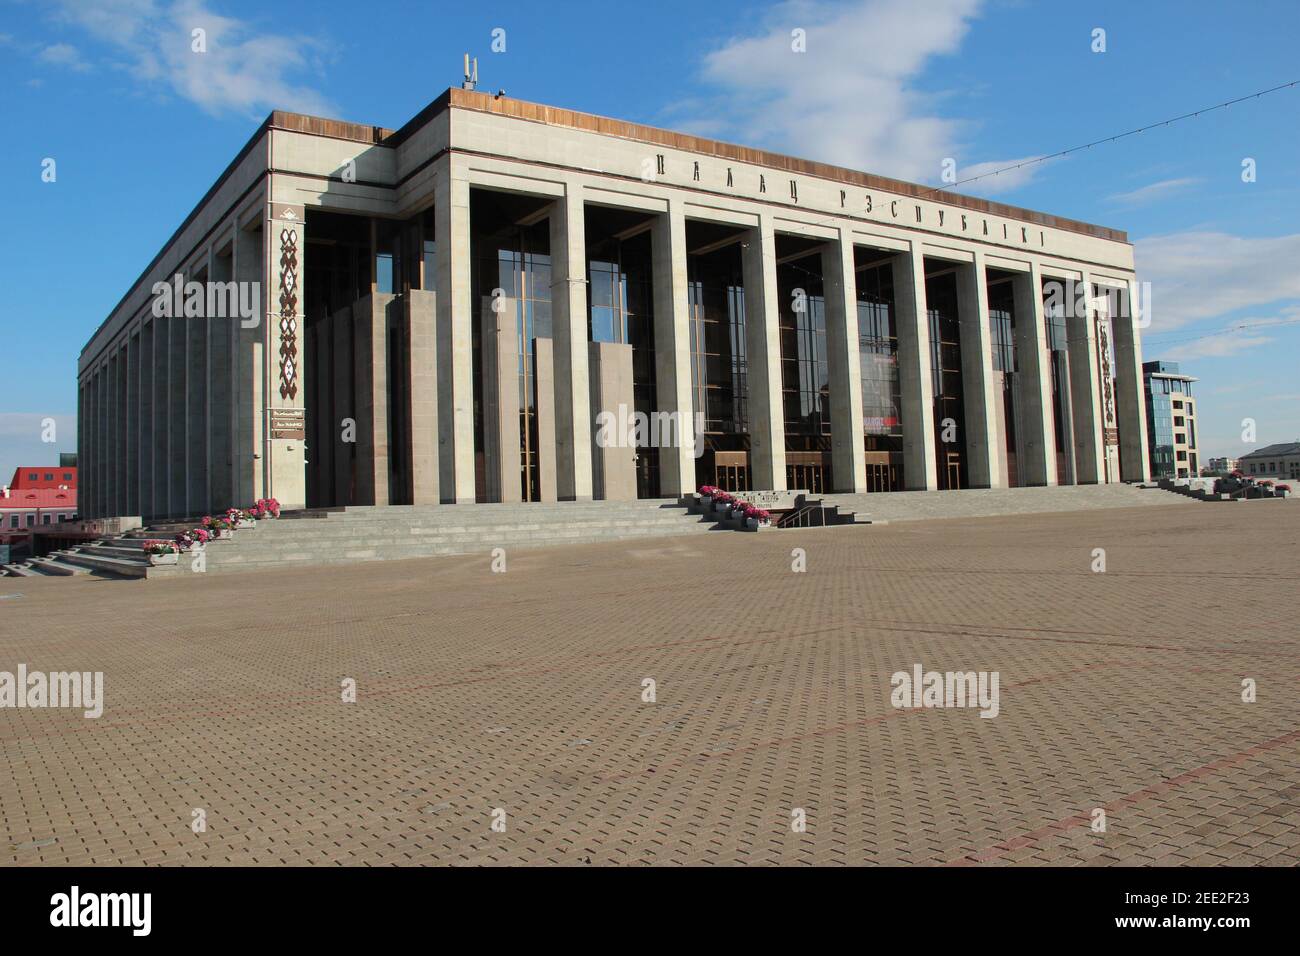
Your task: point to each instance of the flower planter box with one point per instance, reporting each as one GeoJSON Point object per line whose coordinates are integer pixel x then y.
{"type": "Point", "coordinates": [158, 559]}
{"type": "Point", "coordinates": [246, 523]}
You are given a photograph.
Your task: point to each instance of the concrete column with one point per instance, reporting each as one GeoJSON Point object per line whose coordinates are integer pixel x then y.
{"type": "Point", "coordinates": [1085, 403]}
{"type": "Point", "coordinates": [420, 315]}
{"type": "Point", "coordinates": [83, 452]}
{"type": "Point", "coordinates": [1130, 398]}
{"type": "Point", "coordinates": [196, 441]}
{"type": "Point", "coordinates": [569, 322]}
{"type": "Point", "coordinates": [844, 365]}
{"type": "Point", "coordinates": [145, 464]}
{"type": "Point", "coordinates": [343, 405]}
{"type": "Point", "coordinates": [178, 377]}
{"type": "Point", "coordinates": [105, 449]}
{"type": "Point", "coordinates": [115, 457]}
{"type": "Point", "coordinates": [454, 335]}
{"type": "Point", "coordinates": [673, 350]}
{"type": "Point", "coordinates": [85, 441]}
{"type": "Point", "coordinates": [248, 362]}
{"type": "Point", "coordinates": [1037, 456]}
{"type": "Point", "coordinates": [221, 331]}
{"type": "Point", "coordinates": [915, 372]}
{"type": "Point", "coordinates": [370, 362]}
{"type": "Point", "coordinates": [544, 382]}
{"type": "Point", "coordinates": [984, 441]}
{"type": "Point", "coordinates": [131, 426]}
{"type": "Point", "coordinates": [284, 468]}
{"type": "Point", "coordinates": [614, 460]}
{"type": "Point", "coordinates": [763, 346]}
{"type": "Point", "coordinates": [123, 425]}
{"type": "Point", "coordinates": [86, 434]}
{"type": "Point", "coordinates": [161, 426]}
{"type": "Point", "coordinates": [499, 342]}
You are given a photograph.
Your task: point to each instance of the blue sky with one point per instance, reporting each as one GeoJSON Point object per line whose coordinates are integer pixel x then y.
{"type": "Point", "coordinates": [139, 128]}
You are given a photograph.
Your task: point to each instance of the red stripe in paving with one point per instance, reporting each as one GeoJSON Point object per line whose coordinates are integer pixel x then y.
{"type": "Point", "coordinates": [1128, 800]}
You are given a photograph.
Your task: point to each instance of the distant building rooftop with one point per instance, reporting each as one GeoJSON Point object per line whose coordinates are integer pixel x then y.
{"type": "Point", "coordinates": [1275, 451]}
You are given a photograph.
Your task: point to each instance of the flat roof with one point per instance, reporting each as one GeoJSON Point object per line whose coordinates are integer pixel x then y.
{"type": "Point", "coordinates": [457, 98]}
{"type": "Point", "coordinates": [606, 126]}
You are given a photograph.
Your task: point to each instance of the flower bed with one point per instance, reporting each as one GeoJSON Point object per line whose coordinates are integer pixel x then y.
{"type": "Point", "coordinates": [729, 505]}
{"type": "Point", "coordinates": [161, 552]}
{"type": "Point", "coordinates": [220, 528]}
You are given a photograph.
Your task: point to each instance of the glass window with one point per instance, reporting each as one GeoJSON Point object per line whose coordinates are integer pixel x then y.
{"type": "Point", "coordinates": [384, 272]}
{"type": "Point", "coordinates": [430, 265]}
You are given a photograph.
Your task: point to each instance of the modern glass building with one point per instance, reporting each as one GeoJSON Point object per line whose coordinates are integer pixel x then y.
{"type": "Point", "coordinates": [1171, 421]}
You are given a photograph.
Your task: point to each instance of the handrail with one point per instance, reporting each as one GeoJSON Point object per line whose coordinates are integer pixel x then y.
{"type": "Point", "coordinates": [796, 518]}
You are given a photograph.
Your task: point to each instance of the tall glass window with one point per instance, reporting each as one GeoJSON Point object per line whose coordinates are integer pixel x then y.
{"type": "Point", "coordinates": [878, 356]}
{"type": "Point", "coordinates": [805, 374]}
{"type": "Point", "coordinates": [718, 361]}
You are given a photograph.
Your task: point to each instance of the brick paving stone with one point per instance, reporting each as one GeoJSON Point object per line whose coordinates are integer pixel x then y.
{"type": "Point", "coordinates": [523, 692]}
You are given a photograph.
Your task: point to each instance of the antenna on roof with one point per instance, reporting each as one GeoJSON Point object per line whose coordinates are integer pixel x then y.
{"type": "Point", "coordinates": [471, 74]}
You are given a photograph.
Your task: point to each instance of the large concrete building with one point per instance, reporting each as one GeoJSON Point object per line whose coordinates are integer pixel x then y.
{"type": "Point", "coordinates": [456, 310]}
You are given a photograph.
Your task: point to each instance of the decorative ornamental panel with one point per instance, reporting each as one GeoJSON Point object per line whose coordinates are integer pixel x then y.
{"type": "Point", "coordinates": [288, 313]}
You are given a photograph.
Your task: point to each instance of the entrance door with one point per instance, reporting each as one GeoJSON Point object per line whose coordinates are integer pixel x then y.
{"type": "Point", "coordinates": [731, 470]}
{"type": "Point", "coordinates": [647, 473]}
{"type": "Point", "coordinates": [806, 471]}
{"type": "Point", "coordinates": [953, 470]}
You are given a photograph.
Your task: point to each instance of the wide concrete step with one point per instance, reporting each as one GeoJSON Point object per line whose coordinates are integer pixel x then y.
{"type": "Point", "coordinates": [117, 548]}
{"type": "Point", "coordinates": [120, 567]}
{"type": "Point", "coordinates": [54, 566]}
{"type": "Point", "coordinates": [19, 571]}
{"type": "Point", "coordinates": [417, 530]}
{"type": "Point", "coordinates": [234, 560]}
{"type": "Point", "coordinates": [493, 536]}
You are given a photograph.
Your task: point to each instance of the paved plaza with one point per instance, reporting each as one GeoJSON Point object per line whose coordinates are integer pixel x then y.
{"type": "Point", "coordinates": [499, 717]}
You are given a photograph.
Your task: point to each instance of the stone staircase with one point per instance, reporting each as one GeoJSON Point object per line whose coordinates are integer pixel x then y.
{"type": "Point", "coordinates": [348, 535]}
{"type": "Point", "coordinates": [806, 512]}
{"type": "Point", "coordinates": [995, 502]}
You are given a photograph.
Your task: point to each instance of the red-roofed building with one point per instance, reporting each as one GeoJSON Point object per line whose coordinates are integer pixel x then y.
{"type": "Point", "coordinates": [39, 496]}
{"type": "Point", "coordinates": [45, 476]}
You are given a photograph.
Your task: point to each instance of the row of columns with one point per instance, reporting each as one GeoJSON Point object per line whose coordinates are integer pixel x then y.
{"type": "Point", "coordinates": [572, 397]}
{"type": "Point", "coordinates": [168, 424]}
{"type": "Point", "coordinates": [172, 416]}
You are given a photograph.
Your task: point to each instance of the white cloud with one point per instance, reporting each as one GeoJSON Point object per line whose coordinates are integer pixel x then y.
{"type": "Point", "coordinates": [63, 54]}
{"type": "Point", "coordinates": [1240, 336]}
{"type": "Point", "coordinates": [850, 99]}
{"type": "Point", "coordinates": [1204, 275]}
{"type": "Point", "coordinates": [244, 68]}
{"type": "Point", "coordinates": [1002, 175]}
{"type": "Point", "coordinates": [1219, 345]}
{"type": "Point", "coordinates": [1153, 192]}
